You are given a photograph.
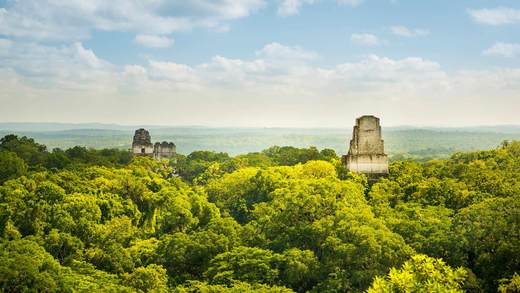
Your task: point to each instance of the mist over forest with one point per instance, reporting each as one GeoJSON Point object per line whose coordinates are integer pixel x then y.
{"type": "Point", "coordinates": [405, 141]}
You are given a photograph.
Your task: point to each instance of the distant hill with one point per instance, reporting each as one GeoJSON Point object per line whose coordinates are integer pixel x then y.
{"type": "Point", "coordinates": [404, 140]}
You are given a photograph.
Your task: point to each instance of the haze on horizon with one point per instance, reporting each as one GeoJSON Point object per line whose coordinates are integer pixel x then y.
{"type": "Point", "coordinates": [260, 63]}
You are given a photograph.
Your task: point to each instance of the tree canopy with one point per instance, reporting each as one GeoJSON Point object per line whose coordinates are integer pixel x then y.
{"type": "Point", "coordinates": [281, 220]}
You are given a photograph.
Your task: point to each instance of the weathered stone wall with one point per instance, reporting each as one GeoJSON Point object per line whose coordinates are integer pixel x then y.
{"type": "Point", "coordinates": [142, 150]}
{"type": "Point", "coordinates": [164, 150]}
{"type": "Point", "coordinates": [369, 164]}
{"type": "Point", "coordinates": [366, 153]}
{"type": "Point", "coordinates": [142, 146]}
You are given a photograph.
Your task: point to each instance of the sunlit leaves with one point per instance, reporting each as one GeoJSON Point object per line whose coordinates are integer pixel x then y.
{"type": "Point", "coordinates": [421, 274]}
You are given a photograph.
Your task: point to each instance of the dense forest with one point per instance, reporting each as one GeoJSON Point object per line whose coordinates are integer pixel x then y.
{"type": "Point", "coordinates": [284, 219]}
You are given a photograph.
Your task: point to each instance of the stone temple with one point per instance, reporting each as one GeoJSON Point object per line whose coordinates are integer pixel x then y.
{"type": "Point", "coordinates": [367, 154]}
{"type": "Point", "coordinates": [142, 146]}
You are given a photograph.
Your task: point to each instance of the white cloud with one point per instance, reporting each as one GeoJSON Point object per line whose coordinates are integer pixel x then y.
{"type": "Point", "coordinates": [496, 16]}
{"type": "Point", "coordinates": [403, 31]}
{"type": "Point", "coordinates": [75, 19]}
{"type": "Point", "coordinates": [153, 41]}
{"type": "Point", "coordinates": [219, 63]}
{"type": "Point", "coordinates": [88, 56]}
{"type": "Point", "coordinates": [507, 50]}
{"type": "Point", "coordinates": [269, 89]}
{"type": "Point", "coordinates": [46, 65]}
{"type": "Point", "coordinates": [365, 39]}
{"type": "Point", "coordinates": [292, 7]}
{"type": "Point", "coordinates": [172, 71]}
{"type": "Point", "coordinates": [282, 52]}
{"type": "Point", "coordinates": [134, 70]}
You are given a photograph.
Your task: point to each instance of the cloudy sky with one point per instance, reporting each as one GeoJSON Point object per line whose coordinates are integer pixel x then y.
{"type": "Point", "coordinates": [296, 63]}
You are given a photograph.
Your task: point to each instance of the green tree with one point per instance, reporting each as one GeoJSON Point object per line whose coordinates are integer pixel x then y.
{"type": "Point", "coordinates": [510, 285]}
{"type": "Point", "coordinates": [299, 269]}
{"type": "Point", "coordinates": [197, 162]}
{"type": "Point", "coordinates": [236, 287]}
{"type": "Point", "coordinates": [331, 218]}
{"type": "Point", "coordinates": [421, 274]}
{"type": "Point", "coordinates": [247, 264]}
{"type": "Point", "coordinates": [491, 233]}
{"type": "Point", "coordinates": [328, 155]}
{"type": "Point", "coordinates": [58, 159]}
{"type": "Point", "coordinates": [289, 156]}
{"type": "Point", "coordinates": [26, 148]}
{"type": "Point", "coordinates": [111, 240]}
{"type": "Point", "coordinates": [188, 256]}
{"type": "Point", "coordinates": [27, 267]}
{"type": "Point", "coordinates": [236, 193]}
{"type": "Point", "coordinates": [260, 160]}
{"type": "Point", "coordinates": [427, 229]}
{"type": "Point", "coordinates": [63, 246]}
{"type": "Point", "coordinates": [151, 278]}
{"type": "Point", "coordinates": [80, 276]}
{"type": "Point", "coordinates": [11, 166]}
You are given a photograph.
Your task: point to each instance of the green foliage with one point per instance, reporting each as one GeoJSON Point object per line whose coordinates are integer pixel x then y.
{"type": "Point", "coordinates": [198, 162]}
{"type": "Point", "coordinates": [147, 279]}
{"type": "Point", "coordinates": [294, 268]}
{"type": "Point", "coordinates": [26, 148]}
{"type": "Point", "coordinates": [36, 155]}
{"type": "Point", "coordinates": [83, 277]}
{"type": "Point", "coordinates": [510, 286]}
{"type": "Point", "coordinates": [245, 264]}
{"type": "Point", "coordinates": [27, 267]}
{"type": "Point", "coordinates": [11, 166]}
{"type": "Point", "coordinates": [254, 159]}
{"type": "Point", "coordinates": [63, 246]}
{"type": "Point", "coordinates": [188, 256]}
{"type": "Point", "coordinates": [421, 274]}
{"type": "Point", "coordinates": [236, 287]}
{"type": "Point", "coordinates": [282, 220]}
{"type": "Point", "coordinates": [289, 156]}
{"type": "Point", "coordinates": [299, 268]}
{"type": "Point", "coordinates": [491, 233]}
{"type": "Point", "coordinates": [239, 191]}
{"type": "Point", "coordinates": [427, 229]}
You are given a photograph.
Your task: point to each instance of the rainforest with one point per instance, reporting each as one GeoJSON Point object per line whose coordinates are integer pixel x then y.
{"type": "Point", "coordinates": [284, 219]}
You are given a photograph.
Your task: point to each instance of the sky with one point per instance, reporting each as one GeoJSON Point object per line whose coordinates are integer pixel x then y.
{"type": "Point", "coordinates": [260, 63]}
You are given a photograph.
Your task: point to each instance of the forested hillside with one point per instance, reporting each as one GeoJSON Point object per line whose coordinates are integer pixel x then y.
{"type": "Point", "coordinates": [281, 220]}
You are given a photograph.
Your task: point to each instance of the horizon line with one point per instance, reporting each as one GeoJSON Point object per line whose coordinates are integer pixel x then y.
{"type": "Point", "coordinates": [256, 127]}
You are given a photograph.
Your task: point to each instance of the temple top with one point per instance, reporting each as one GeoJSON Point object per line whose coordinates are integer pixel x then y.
{"type": "Point", "coordinates": [366, 137]}
{"type": "Point", "coordinates": [142, 138]}
{"type": "Point", "coordinates": [367, 152]}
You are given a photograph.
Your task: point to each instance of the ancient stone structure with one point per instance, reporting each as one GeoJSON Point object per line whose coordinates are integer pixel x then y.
{"type": "Point", "coordinates": [366, 154]}
{"type": "Point", "coordinates": [142, 146]}
{"type": "Point", "coordinates": [163, 150]}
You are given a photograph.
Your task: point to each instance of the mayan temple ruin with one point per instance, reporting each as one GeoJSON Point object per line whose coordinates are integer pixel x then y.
{"type": "Point", "coordinates": [142, 146]}
{"type": "Point", "coordinates": [367, 154]}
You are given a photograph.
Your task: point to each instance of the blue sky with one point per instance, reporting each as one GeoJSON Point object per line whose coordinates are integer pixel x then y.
{"type": "Point", "coordinates": [305, 63]}
{"type": "Point", "coordinates": [454, 37]}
